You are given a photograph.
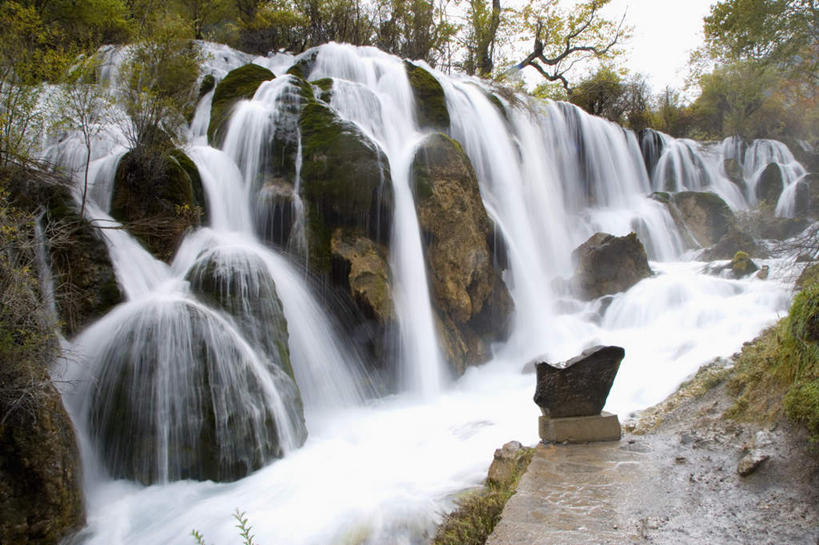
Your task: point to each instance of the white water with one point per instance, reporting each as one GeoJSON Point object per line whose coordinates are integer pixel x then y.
{"type": "Point", "coordinates": [383, 470]}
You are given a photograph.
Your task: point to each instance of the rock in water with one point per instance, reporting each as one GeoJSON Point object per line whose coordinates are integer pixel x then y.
{"type": "Point", "coordinates": [606, 264]}
{"type": "Point", "coordinates": [581, 385]}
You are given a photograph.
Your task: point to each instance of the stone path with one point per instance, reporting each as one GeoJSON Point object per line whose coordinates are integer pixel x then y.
{"type": "Point", "coordinates": [574, 494]}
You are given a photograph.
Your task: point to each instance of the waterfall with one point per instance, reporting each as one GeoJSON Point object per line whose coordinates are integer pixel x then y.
{"type": "Point", "coordinates": [234, 354]}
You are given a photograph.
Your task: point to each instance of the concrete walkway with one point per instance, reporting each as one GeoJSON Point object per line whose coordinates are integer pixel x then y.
{"type": "Point", "coordinates": [575, 494]}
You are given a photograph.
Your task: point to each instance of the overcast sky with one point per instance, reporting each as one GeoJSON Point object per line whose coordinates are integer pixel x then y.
{"type": "Point", "coordinates": [665, 33]}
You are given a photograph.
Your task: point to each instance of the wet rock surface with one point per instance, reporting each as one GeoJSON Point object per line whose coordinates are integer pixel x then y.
{"type": "Point", "coordinates": [606, 264]}
{"type": "Point", "coordinates": [580, 386]}
{"type": "Point", "coordinates": [673, 480]}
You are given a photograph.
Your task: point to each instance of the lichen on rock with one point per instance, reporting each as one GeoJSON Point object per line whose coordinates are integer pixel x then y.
{"type": "Point", "coordinates": [455, 229]}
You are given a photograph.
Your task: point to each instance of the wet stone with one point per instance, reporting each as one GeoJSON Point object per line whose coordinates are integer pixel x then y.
{"type": "Point", "coordinates": [580, 386]}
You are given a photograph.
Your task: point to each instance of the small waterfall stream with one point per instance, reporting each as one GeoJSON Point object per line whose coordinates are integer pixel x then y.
{"type": "Point", "coordinates": [355, 467]}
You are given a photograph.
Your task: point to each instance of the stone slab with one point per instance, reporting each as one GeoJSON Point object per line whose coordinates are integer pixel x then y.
{"type": "Point", "coordinates": [580, 429]}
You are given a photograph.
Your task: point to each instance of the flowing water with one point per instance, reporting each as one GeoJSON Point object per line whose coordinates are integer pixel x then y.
{"type": "Point", "coordinates": [384, 469]}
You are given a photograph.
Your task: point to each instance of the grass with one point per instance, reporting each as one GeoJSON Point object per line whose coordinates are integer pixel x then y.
{"type": "Point", "coordinates": [777, 374]}
{"type": "Point", "coordinates": [478, 513]}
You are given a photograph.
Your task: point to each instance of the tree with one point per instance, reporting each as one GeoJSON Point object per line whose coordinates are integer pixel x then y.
{"type": "Point", "coordinates": [484, 21]}
{"type": "Point", "coordinates": [85, 107]}
{"type": "Point", "coordinates": [415, 29]}
{"type": "Point", "coordinates": [158, 86]}
{"type": "Point", "coordinates": [201, 13]}
{"type": "Point", "coordinates": [561, 40]}
{"type": "Point", "coordinates": [27, 59]}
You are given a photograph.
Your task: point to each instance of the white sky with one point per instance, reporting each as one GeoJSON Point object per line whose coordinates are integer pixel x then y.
{"type": "Point", "coordinates": [665, 33]}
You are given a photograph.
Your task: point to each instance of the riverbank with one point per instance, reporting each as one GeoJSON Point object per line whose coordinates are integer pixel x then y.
{"type": "Point", "coordinates": [684, 472]}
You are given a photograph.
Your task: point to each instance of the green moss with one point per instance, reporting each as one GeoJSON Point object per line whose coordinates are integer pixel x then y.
{"type": "Point", "coordinates": [809, 275]}
{"type": "Point", "coordinates": [207, 85]}
{"type": "Point", "coordinates": [478, 513]}
{"type": "Point", "coordinates": [238, 84]}
{"type": "Point", "coordinates": [304, 65]}
{"type": "Point", "coordinates": [429, 98]}
{"type": "Point", "coordinates": [661, 196]}
{"type": "Point", "coordinates": [741, 264]}
{"type": "Point", "coordinates": [780, 365]}
{"type": "Point", "coordinates": [158, 195]}
{"type": "Point", "coordinates": [345, 178]}
{"type": "Point", "coordinates": [326, 87]}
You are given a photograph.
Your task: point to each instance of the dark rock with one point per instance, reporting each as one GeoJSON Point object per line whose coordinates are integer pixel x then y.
{"type": "Point", "coordinates": [733, 170]}
{"type": "Point", "coordinates": [704, 214]}
{"type": "Point", "coordinates": [238, 84]}
{"type": "Point", "coordinates": [769, 185]}
{"type": "Point", "coordinates": [346, 182]}
{"type": "Point", "coordinates": [158, 195]}
{"type": "Point", "coordinates": [467, 290]}
{"type": "Point", "coordinates": [732, 242]}
{"type": "Point", "coordinates": [240, 284]}
{"type": "Point", "coordinates": [85, 285]}
{"type": "Point", "coordinates": [207, 85]}
{"type": "Point", "coordinates": [40, 473]}
{"type": "Point", "coordinates": [429, 98]}
{"type": "Point", "coordinates": [606, 264]}
{"type": "Point", "coordinates": [176, 357]}
{"type": "Point", "coordinates": [581, 385]}
{"type": "Point", "coordinates": [651, 148]}
{"type": "Point", "coordinates": [304, 64]}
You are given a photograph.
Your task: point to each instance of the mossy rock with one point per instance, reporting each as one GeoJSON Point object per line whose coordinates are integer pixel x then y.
{"type": "Point", "coordinates": [733, 170]}
{"type": "Point", "coordinates": [304, 64]}
{"type": "Point", "coordinates": [240, 284]}
{"type": "Point", "coordinates": [177, 357]}
{"type": "Point", "coordinates": [159, 196]}
{"type": "Point", "coordinates": [742, 266]}
{"type": "Point", "coordinates": [238, 84]}
{"type": "Point", "coordinates": [808, 277]}
{"type": "Point", "coordinates": [705, 215]}
{"type": "Point", "coordinates": [85, 284]}
{"type": "Point", "coordinates": [429, 98]}
{"type": "Point", "coordinates": [207, 85]}
{"type": "Point", "coordinates": [769, 185]}
{"type": "Point", "coordinates": [456, 230]}
{"type": "Point", "coordinates": [325, 85]}
{"type": "Point", "coordinates": [345, 182]}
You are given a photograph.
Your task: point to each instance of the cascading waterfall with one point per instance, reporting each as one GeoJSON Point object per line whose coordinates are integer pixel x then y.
{"type": "Point", "coordinates": [218, 351]}
{"type": "Point", "coordinates": [378, 98]}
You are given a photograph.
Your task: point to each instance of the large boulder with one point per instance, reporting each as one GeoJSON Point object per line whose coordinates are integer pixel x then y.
{"type": "Point", "coordinates": [430, 101]}
{"type": "Point", "coordinates": [240, 284]}
{"type": "Point", "coordinates": [345, 182]}
{"type": "Point", "coordinates": [580, 386]}
{"type": "Point", "coordinates": [606, 264]}
{"type": "Point", "coordinates": [465, 286]}
{"type": "Point", "coordinates": [705, 215]}
{"type": "Point", "coordinates": [158, 195]}
{"type": "Point", "coordinates": [179, 394]}
{"type": "Point", "coordinates": [40, 472]}
{"type": "Point", "coordinates": [240, 83]}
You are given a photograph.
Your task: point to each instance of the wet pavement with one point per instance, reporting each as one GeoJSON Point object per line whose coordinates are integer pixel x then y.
{"type": "Point", "coordinates": [678, 484]}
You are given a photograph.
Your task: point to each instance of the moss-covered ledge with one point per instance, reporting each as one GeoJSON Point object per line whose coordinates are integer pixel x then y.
{"type": "Point", "coordinates": [238, 84]}
{"type": "Point", "coordinates": [429, 99]}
